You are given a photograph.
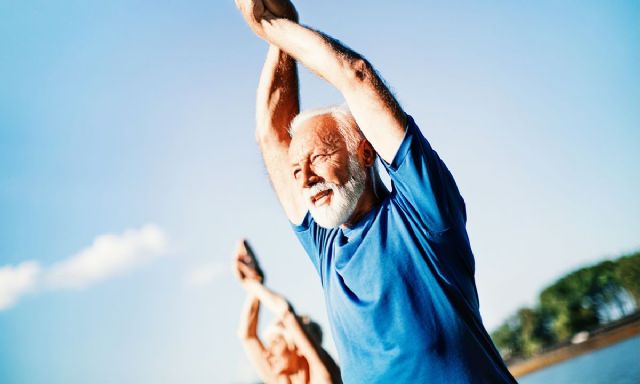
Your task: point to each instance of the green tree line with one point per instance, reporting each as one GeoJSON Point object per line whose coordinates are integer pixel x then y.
{"type": "Point", "coordinates": [580, 301]}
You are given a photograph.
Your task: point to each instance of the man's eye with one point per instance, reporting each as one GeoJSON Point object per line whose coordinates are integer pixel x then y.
{"type": "Point", "coordinates": [318, 157]}
{"type": "Point", "coordinates": [296, 173]}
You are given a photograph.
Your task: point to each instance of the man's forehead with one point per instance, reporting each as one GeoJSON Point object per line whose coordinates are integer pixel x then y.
{"type": "Point", "coordinates": [317, 124]}
{"type": "Point", "coordinates": [319, 132]}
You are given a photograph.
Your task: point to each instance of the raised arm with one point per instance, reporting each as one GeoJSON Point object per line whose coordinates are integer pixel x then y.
{"type": "Point", "coordinates": [283, 310]}
{"type": "Point", "coordinates": [245, 268]}
{"type": "Point", "coordinates": [374, 108]}
{"type": "Point", "coordinates": [277, 103]}
{"type": "Point", "coordinates": [248, 334]}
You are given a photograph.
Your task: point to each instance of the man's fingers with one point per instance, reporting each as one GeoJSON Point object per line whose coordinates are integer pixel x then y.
{"type": "Point", "coordinates": [245, 263]}
{"type": "Point", "coordinates": [281, 8]}
{"type": "Point", "coordinates": [244, 6]}
{"type": "Point", "coordinates": [243, 270]}
{"type": "Point", "coordinates": [249, 250]}
{"type": "Point", "coordinates": [236, 272]}
{"type": "Point", "coordinates": [249, 273]}
{"type": "Point", "coordinates": [245, 252]}
{"type": "Point", "coordinates": [258, 10]}
{"type": "Point", "coordinates": [241, 257]}
{"type": "Point", "coordinates": [247, 269]}
{"type": "Point", "coordinates": [254, 261]}
{"type": "Point", "coordinates": [241, 247]}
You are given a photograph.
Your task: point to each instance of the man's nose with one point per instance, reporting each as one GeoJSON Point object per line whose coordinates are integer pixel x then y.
{"type": "Point", "coordinates": [309, 178]}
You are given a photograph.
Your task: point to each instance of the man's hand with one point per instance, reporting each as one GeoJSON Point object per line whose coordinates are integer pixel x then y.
{"type": "Point", "coordinates": [246, 265]}
{"type": "Point", "coordinates": [282, 8]}
{"type": "Point", "coordinates": [376, 111]}
{"type": "Point", "coordinates": [254, 11]}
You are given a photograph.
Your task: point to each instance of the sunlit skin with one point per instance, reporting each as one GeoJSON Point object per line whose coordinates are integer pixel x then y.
{"type": "Point", "coordinates": [284, 358]}
{"type": "Point", "coordinates": [318, 153]}
{"type": "Point", "coordinates": [314, 172]}
{"type": "Point", "coordinates": [289, 354]}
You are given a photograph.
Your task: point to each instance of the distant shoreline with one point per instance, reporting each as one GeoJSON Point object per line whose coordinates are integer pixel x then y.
{"type": "Point", "coordinates": [603, 337]}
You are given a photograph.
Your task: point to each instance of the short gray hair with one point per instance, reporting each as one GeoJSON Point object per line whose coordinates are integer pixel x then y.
{"type": "Point", "coordinates": [344, 120]}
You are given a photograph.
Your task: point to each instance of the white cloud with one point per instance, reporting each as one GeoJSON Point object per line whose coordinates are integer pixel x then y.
{"type": "Point", "coordinates": [108, 256]}
{"type": "Point", "coordinates": [16, 281]}
{"type": "Point", "coordinates": [206, 274]}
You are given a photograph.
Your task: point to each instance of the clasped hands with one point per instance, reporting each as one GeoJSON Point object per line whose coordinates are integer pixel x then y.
{"type": "Point", "coordinates": [246, 267]}
{"type": "Point", "coordinates": [255, 12]}
{"type": "Point", "coordinates": [248, 272]}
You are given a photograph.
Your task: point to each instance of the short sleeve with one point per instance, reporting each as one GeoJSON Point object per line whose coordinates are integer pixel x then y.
{"type": "Point", "coordinates": [423, 185]}
{"type": "Point", "coordinates": [313, 239]}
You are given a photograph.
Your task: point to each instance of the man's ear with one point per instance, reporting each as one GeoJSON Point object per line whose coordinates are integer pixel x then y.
{"type": "Point", "coordinates": [366, 153]}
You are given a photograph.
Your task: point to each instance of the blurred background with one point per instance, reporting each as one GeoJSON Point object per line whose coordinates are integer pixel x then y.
{"type": "Point", "coordinates": [128, 171]}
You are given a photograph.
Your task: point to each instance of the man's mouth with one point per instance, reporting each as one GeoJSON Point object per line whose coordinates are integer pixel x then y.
{"type": "Point", "coordinates": [321, 197]}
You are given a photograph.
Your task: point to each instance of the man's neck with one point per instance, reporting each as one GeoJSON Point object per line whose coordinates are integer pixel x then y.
{"type": "Point", "coordinates": [372, 196]}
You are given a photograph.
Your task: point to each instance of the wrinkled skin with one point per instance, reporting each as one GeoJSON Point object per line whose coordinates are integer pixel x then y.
{"type": "Point", "coordinates": [318, 153]}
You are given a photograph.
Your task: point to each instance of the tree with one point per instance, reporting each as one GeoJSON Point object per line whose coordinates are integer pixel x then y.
{"type": "Point", "coordinates": [628, 274]}
{"type": "Point", "coordinates": [579, 301]}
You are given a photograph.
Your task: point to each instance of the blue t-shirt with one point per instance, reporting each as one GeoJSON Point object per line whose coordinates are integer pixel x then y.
{"type": "Point", "coordinates": [399, 285]}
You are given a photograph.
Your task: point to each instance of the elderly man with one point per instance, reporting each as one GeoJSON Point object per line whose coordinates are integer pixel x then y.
{"type": "Point", "coordinates": [396, 267]}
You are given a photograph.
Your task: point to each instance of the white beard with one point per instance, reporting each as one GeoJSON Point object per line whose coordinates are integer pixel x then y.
{"type": "Point", "coordinates": [344, 198]}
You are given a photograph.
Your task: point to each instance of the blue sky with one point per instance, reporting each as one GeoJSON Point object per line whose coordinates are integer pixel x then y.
{"type": "Point", "coordinates": [135, 120]}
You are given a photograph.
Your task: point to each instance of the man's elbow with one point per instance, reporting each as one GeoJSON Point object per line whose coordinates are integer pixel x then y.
{"type": "Point", "coordinates": [246, 335]}
{"type": "Point", "coordinates": [358, 72]}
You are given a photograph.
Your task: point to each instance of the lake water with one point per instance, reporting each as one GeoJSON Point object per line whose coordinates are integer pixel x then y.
{"type": "Point", "coordinates": [617, 364]}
